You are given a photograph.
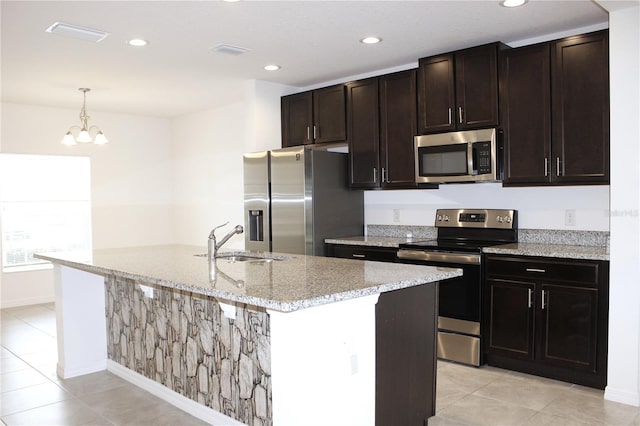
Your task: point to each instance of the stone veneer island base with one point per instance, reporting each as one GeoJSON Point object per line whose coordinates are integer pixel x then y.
{"type": "Point", "coordinates": [301, 341]}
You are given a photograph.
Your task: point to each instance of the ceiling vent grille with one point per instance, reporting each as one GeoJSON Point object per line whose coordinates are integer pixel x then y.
{"type": "Point", "coordinates": [229, 49]}
{"type": "Point", "coordinates": [75, 31]}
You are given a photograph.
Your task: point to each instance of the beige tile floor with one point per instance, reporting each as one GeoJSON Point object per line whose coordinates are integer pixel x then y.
{"type": "Point", "coordinates": [32, 394]}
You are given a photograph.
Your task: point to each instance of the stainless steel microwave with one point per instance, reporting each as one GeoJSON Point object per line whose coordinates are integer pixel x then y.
{"type": "Point", "coordinates": [467, 156]}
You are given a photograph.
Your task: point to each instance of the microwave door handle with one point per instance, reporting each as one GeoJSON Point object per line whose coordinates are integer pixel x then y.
{"type": "Point", "coordinates": [470, 159]}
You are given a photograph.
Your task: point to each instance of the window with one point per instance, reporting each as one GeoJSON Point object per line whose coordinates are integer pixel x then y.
{"type": "Point", "coordinates": [45, 206]}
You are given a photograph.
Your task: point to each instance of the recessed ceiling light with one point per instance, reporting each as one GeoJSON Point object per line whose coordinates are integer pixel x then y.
{"type": "Point", "coordinates": [371, 40]}
{"type": "Point", "coordinates": [137, 42]}
{"type": "Point", "coordinates": [512, 3]}
{"type": "Point", "coordinates": [272, 67]}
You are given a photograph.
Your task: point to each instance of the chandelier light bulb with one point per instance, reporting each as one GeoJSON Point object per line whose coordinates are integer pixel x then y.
{"type": "Point", "coordinates": [101, 139]}
{"type": "Point", "coordinates": [68, 139]}
{"type": "Point", "coordinates": [85, 129]}
{"type": "Point", "coordinates": [84, 136]}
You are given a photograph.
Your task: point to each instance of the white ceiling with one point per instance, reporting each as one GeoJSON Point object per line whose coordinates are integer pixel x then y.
{"type": "Point", "coordinates": [177, 73]}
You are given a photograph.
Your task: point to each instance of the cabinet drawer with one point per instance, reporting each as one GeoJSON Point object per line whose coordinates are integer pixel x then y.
{"type": "Point", "coordinates": [380, 254]}
{"type": "Point", "coordinates": [534, 268]}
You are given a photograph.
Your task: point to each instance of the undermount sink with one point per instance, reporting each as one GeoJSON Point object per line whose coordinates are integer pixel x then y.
{"type": "Point", "coordinates": [246, 257]}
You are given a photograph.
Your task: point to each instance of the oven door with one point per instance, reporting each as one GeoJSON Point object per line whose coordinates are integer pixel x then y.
{"type": "Point", "coordinates": [459, 303]}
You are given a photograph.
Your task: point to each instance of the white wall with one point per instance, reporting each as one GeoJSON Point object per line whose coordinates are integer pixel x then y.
{"type": "Point", "coordinates": [538, 208]}
{"type": "Point", "coordinates": [130, 181]}
{"type": "Point", "coordinates": [207, 166]}
{"type": "Point", "coordinates": [623, 383]}
{"type": "Point", "coordinates": [207, 154]}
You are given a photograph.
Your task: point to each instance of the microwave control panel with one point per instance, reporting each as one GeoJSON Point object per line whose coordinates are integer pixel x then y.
{"type": "Point", "coordinates": [482, 157]}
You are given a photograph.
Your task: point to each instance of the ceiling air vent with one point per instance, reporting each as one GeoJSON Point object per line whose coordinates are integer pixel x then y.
{"type": "Point", "coordinates": [75, 31]}
{"type": "Point", "coordinates": [229, 50]}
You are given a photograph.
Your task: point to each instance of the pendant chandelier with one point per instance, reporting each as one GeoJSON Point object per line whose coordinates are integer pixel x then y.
{"type": "Point", "coordinates": [85, 130]}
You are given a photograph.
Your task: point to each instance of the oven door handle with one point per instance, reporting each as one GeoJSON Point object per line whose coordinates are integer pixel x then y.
{"type": "Point", "coordinates": [442, 257]}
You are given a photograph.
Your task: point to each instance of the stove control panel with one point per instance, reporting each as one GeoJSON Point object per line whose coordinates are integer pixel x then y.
{"type": "Point", "coordinates": [476, 218]}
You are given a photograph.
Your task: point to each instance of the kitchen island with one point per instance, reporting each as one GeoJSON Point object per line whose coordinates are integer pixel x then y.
{"type": "Point", "coordinates": [288, 340]}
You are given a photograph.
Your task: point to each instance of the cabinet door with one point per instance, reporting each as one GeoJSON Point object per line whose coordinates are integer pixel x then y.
{"type": "Point", "coordinates": [526, 114]}
{"type": "Point", "coordinates": [436, 94]}
{"type": "Point", "coordinates": [569, 318]}
{"type": "Point", "coordinates": [362, 123]}
{"type": "Point", "coordinates": [297, 119]}
{"type": "Point", "coordinates": [580, 106]}
{"type": "Point", "coordinates": [398, 127]}
{"type": "Point", "coordinates": [329, 114]}
{"type": "Point", "coordinates": [511, 318]}
{"type": "Point", "coordinates": [477, 87]}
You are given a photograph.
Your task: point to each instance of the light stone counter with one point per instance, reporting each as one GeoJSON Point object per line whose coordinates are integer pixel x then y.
{"type": "Point", "coordinates": [263, 343]}
{"type": "Point", "coordinates": [294, 283]}
{"type": "Point", "coordinates": [551, 250]}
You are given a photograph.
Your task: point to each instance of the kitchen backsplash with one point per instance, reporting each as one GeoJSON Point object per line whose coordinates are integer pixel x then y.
{"type": "Point", "coordinates": [534, 236]}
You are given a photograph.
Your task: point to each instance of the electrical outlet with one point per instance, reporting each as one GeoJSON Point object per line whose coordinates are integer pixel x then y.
{"type": "Point", "coordinates": [570, 217]}
{"type": "Point", "coordinates": [396, 215]}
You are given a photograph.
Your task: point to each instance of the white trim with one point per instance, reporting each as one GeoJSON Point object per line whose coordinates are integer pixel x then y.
{"type": "Point", "coordinates": [39, 266]}
{"type": "Point", "coordinates": [26, 302]}
{"type": "Point", "coordinates": [622, 396]}
{"type": "Point", "coordinates": [200, 411]}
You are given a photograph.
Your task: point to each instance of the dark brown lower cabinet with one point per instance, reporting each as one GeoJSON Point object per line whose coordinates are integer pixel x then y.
{"type": "Point", "coordinates": [406, 326]}
{"type": "Point", "coordinates": [406, 356]}
{"type": "Point", "coordinates": [548, 317]}
{"type": "Point", "coordinates": [380, 254]}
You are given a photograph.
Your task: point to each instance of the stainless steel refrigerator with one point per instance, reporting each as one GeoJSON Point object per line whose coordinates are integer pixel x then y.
{"type": "Point", "coordinates": [296, 197]}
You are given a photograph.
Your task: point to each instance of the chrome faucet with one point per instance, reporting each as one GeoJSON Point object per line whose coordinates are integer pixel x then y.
{"type": "Point", "coordinates": [214, 246]}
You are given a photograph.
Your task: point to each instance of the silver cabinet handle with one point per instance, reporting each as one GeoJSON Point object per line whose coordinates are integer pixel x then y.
{"type": "Point", "coordinates": [536, 270]}
{"type": "Point", "coordinates": [315, 133]}
{"type": "Point", "coordinates": [546, 167]}
{"type": "Point", "coordinates": [308, 133]}
{"type": "Point", "coordinates": [449, 116]}
{"type": "Point", "coordinates": [383, 177]}
{"type": "Point", "coordinates": [460, 114]}
{"type": "Point", "coordinates": [359, 256]}
{"type": "Point", "coordinates": [375, 175]}
{"type": "Point", "coordinates": [544, 293]}
{"type": "Point", "coordinates": [557, 166]}
{"type": "Point", "coordinates": [530, 298]}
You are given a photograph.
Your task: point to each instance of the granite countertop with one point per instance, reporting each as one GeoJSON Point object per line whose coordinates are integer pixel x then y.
{"type": "Point", "coordinates": [542, 245]}
{"type": "Point", "coordinates": [368, 241]}
{"type": "Point", "coordinates": [283, 285]}
{"type": "Point", "coordinates": [565, 251]}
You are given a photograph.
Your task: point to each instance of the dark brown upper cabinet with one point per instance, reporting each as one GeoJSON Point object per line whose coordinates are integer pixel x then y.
{"type": "Point", "coordinates": [525, 86]}
{"type": "Point", "coordinates": [580, 109]}
{"type": "Point", "coordinates": [363, 128]}
{"type": "Point", "coordinates": [459, 91]}
{"type": "Point", "coordinates": [316, 116]}
{"type": "Point", "coordinates": [398, 126]}
{"type": "Point", "coordinates": [555, 112]}
{"type": "Point", "coordinates": [381, 123]}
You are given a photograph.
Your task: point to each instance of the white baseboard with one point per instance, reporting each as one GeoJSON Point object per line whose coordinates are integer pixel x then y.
{"type": "Point", "coordinates": [15, 303]}
{"type": "Point", "coordinates": [622, 396]}
{"type": "Point", "coordinates": [68, 373]}
{"type": "Point", "coordinates": [200, 411]}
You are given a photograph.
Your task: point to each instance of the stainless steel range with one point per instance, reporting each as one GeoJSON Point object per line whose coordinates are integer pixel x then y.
{"type": "Point", "coordinates": [461, 236]}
